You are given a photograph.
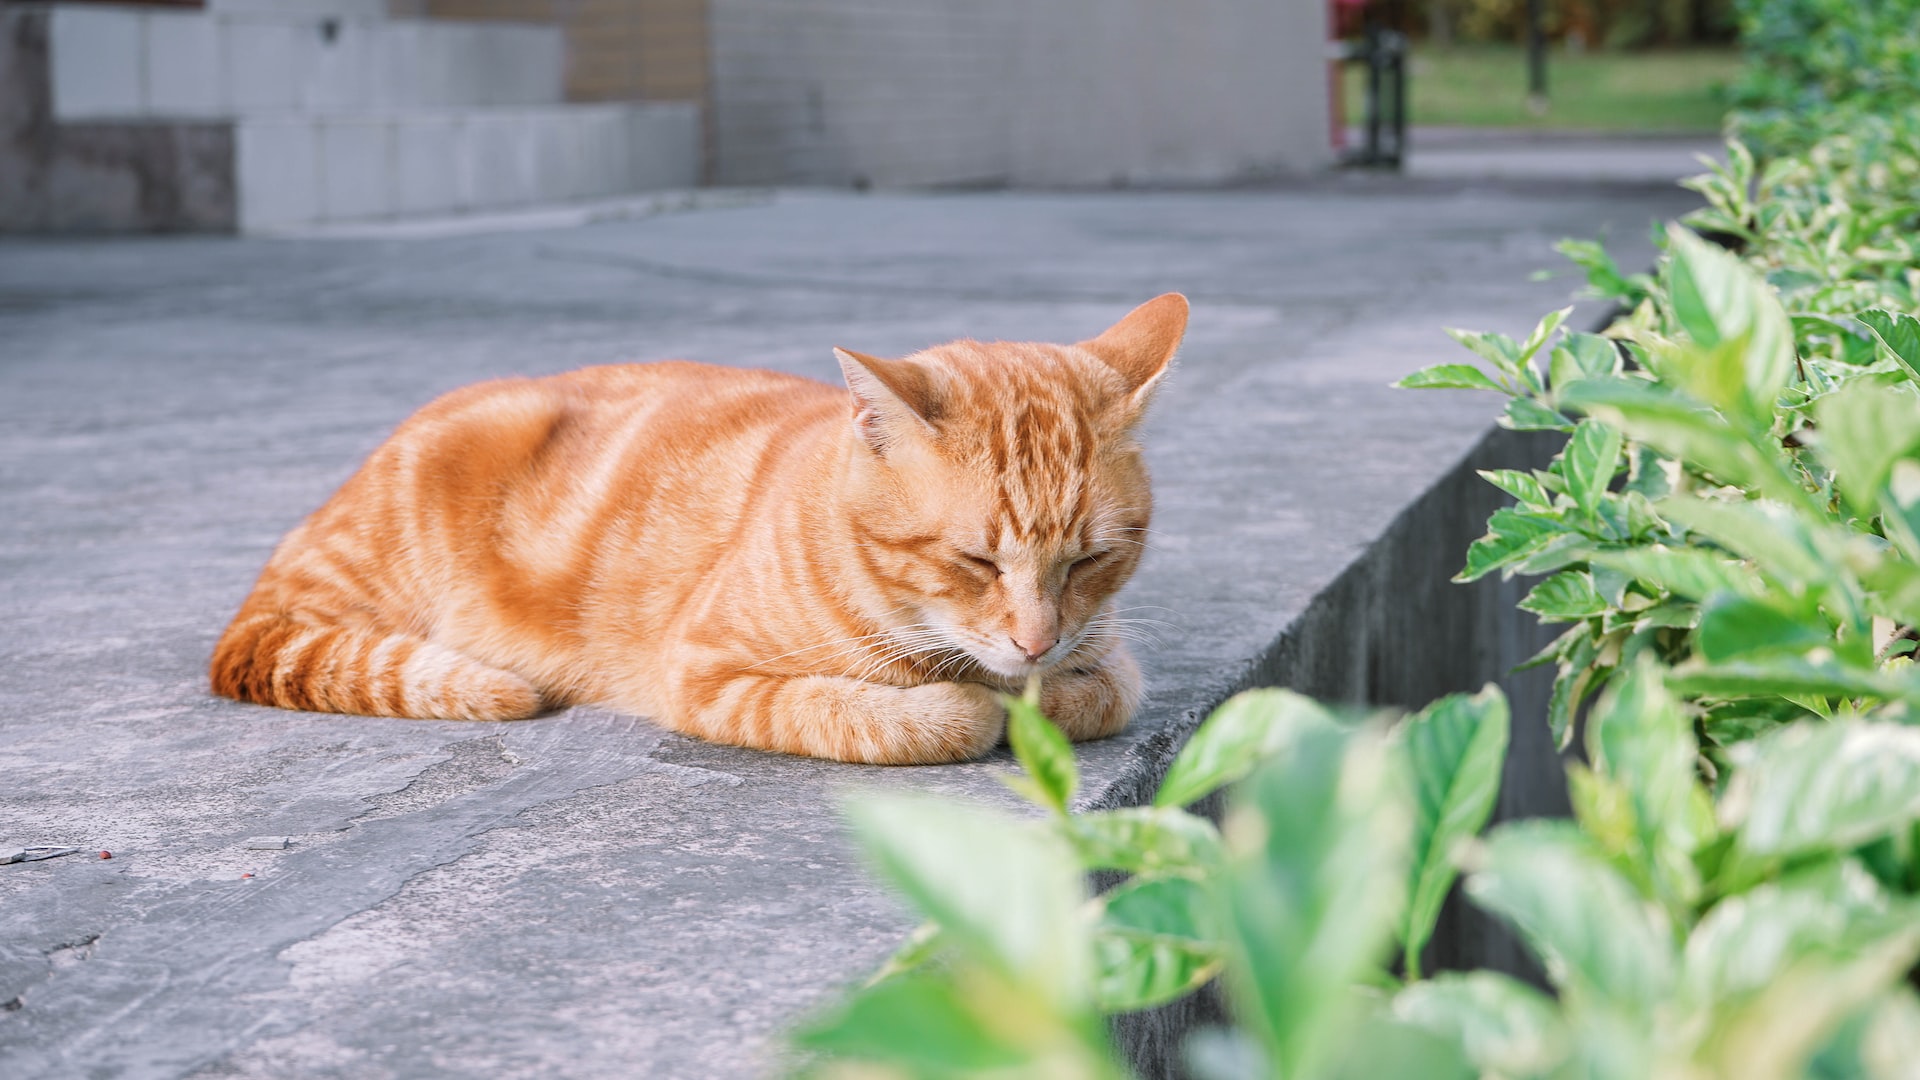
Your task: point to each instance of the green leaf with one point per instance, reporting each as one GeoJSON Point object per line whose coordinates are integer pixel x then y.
{"type": "Point", "coordinates": [1170, 905]}
{"type": "Point", "coordinates": [1559, 553]}
{"type": "Point", "coordinates": [1512, 536]}
{"type": "Point", "coordinates": [1824, 787]}
{"type": "Point", "coordinates": [918, 1022]}
{"type": "Point", "coordinates": [1773, 537]}
{"type": "Point", "coordinates": [1745, 352]}
{"type": "Point", "coordinates": [1564, 597]}
{"type": "Point", "coordinates": [1157, 940]}
{"type": "Point", "coordinates": [1603, 274]}
{"type": "Point", "coordinates": [1542, 331]}
{"type": "Point", "coordinates": [1864, 429]}
{"type": "Point", "coordinates": [1250, 728]}
{"type": "Point", "coordinates": [1604, 808]}
{"type": "Point", "coordinates": [1570, 688]}
{"type": "Point", "coordinates": [1899, 334]}
{"type": "Point", "coordinates": [1732, 627]}
{"type": "Point", "coordinates": [1526, 414]}
{"type": "Point", "coordinates": [1383, 1046]}
{"type": "Point", "coordinates": [1895, 584]}
{"type": "Point", "coordinates": [1704, 287]}
{"type": "Point", "coordinates": [1681, 429]}
{"type": "Point", "coordinates": [1449, 377]}
{"type": "Point", "coordinates": [1506, 1027]}
{"type": "Point", "coordinates": [1043, 751]}
{"type": "Point", "coordinates": [1496, 349]}
{"type": "Point", "coordinates": [1792, 677]}
{"type": "Point", "coordinates": [1137, 972]}
{"type": "Point", "coordinates": [1003, 889]}
{"type": "Point", "coordinates": [1690, 573]}
{"type": "Point", "coordinates": [1520, 485]}
{"type": "Point", "coordinates": [1601, 943]}
{"type": "Point", "coordinates": [1317, 869]}
{"type": "Point", "coordinates": [1780, 968]}
{"type": "Point", "coordinates": [1591, 458]}
{"type": "Point", "coordinates": [1582, 356]}
{"type": "Point", "coordinates": [1456, 748]}
{"type": "Point", "coordinates": [1891, 1043]}
{"type": "Point", "coordinates": [921, 946]}
{"type": "Point", "coordinates": [1638, 736]}
{"type": "Point", "coordinates": [1143, 839]}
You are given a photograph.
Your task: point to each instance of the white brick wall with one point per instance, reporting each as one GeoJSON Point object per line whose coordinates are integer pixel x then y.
{"type": "Point", "coordinates": [121, 63]}
{"type": "Point", "coordinates": [1058, 92]}
{"type": "Point", "coordinates": [304, 170]}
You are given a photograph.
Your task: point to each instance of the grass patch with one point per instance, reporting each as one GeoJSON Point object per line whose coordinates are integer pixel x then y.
{"type": "Point", "coordinates": [1486, 86]}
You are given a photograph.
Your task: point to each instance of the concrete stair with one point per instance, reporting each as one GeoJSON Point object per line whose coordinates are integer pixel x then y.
{"type": "Point", "coordinates": [338, 113]}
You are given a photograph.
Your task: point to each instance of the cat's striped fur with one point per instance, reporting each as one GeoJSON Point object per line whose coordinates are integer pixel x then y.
{"type": "Point", "coordinates": [750, 557]}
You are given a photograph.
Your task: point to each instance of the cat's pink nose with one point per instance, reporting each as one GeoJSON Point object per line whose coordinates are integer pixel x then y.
{"type": "Point", "coordinates": [1035, 647]}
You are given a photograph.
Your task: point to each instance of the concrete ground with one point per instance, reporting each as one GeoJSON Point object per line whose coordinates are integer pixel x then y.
{"type": "Point", "coordinates": [583, 895]}
{"type": "Point", "coordinates": [1546, 156]}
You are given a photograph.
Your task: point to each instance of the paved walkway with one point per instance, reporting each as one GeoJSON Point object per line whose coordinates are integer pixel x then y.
{"type": "Point", "coordinates": [1556, 157]}
{"type": "Point", "coordinates": [583, 895]}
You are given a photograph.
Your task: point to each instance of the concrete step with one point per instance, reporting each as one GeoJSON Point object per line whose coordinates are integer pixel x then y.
{"type": "Point", "coordinates": [124, 63]}
{"type": "Point", "coordinates": [297, 171]}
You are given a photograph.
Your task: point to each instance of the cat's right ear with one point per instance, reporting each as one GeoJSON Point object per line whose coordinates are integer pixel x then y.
{"type": "Point", "coordinates": [1140, 347]}
{"type": "Point", "coordinates": [890, 397]}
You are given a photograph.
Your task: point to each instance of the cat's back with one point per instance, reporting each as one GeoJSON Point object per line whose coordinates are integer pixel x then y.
{"type": "Point", "coordinates": [678, 392]}
{"type": "Point", "coordinates": [591, 418]}
{"type": "Point", "coordinates": [671, 436]}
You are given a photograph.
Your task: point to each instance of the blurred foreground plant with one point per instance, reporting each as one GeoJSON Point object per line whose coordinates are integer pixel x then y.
{"type": "Point", "coordinates": [1745, 933]}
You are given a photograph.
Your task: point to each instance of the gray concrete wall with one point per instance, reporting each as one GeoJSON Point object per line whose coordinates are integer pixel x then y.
{"type": "Point", "coordinates": [101, 175]}
{"type": "Point", "coordinates": [1070, 92]}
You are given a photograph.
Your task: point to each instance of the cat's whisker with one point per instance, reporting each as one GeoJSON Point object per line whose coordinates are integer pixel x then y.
{"type": "Point", "coordinates": [1122, 630]}
{"type": "Point", "coordinates": [856, 640]}
{"type": "Point", "coordinates": [902, 651]}
{"type": "Point", "coordinates": [854, 643]}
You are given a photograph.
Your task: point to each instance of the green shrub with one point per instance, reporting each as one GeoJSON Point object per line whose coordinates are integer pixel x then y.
{"type": "Point", "coordinates": [1825, 59]}
{"type": "Point", "coordinates": [1737, 498]}
{"type": "Point", "coordinates": [1748, 933]}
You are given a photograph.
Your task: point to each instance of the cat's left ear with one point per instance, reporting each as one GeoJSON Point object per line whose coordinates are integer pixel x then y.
{"type": "Point", "coordinates": [890, 397]}
{"type": "Point", "coordinates": [1140, 347]}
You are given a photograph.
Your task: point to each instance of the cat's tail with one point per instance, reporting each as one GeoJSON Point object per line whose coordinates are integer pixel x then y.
{"type": "Point", "coordinates": [275, 659]}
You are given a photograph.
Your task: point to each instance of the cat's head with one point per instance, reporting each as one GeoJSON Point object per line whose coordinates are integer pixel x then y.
{"type": "Point", "coordinates": [998, 498]}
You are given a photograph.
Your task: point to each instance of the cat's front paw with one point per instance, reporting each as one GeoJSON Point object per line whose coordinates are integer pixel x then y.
{"type": "Point", "coordinates": [1096, 702]}
{"type": "Point", "coordinates": [950, 721]}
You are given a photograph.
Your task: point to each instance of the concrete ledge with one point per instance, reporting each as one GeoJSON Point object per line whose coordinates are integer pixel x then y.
{"type": "Point", "coordinates": [584, 895]}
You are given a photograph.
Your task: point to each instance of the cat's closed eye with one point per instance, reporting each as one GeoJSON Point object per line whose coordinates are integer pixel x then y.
{"type": "Point", "coordinates": [981, 563]}
{"type": "Point", "coordinates": [1087, 561]}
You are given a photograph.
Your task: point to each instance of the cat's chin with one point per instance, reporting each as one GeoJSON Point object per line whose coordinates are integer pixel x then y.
{"type": "Point", "coordinates": [1015, 671]}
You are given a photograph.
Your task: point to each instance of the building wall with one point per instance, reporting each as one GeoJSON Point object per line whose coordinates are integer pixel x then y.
{"type": "Point", "coordinates": [1067, 92]}
{"type": "Point", "coordinates": [617, 50]}
{"type": "Point", "coordinates": [957, 92]}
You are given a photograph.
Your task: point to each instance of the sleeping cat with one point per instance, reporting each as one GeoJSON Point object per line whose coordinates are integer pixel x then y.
{"type": "Point", "coordinates": [750, 557]}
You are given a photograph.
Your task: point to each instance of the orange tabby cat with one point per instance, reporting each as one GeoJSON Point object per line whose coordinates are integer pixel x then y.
{"type": "Point", "coordinates": [749, 557]}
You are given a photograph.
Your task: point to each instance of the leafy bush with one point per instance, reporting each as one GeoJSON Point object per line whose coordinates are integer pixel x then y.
{"type": "Point", "coordinates": [1748, 934]}
{"type": "Point", "coordinates": [1764, 538]}
{"type": "Point", "coordinates": [1835, 60]}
